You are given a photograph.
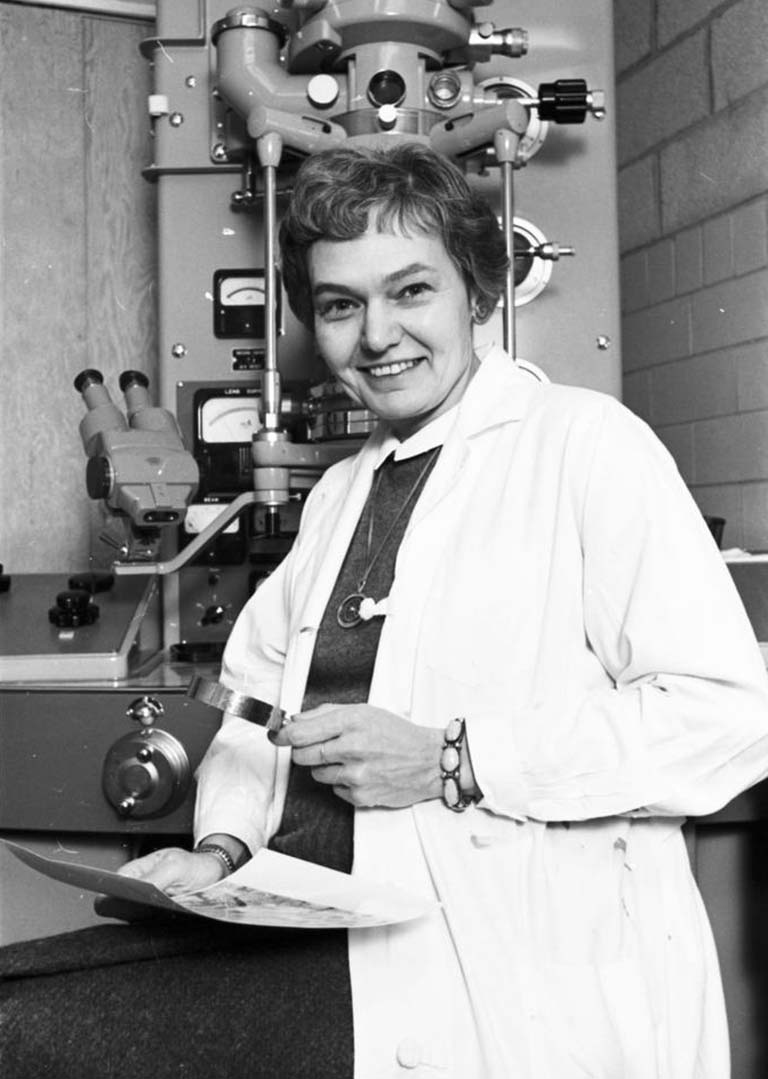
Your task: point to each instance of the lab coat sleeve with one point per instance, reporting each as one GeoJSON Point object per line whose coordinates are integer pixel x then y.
{"type": "Point", "coordinates": [235, 779]}
{"type": "Point", "coordinates": [680, 726]}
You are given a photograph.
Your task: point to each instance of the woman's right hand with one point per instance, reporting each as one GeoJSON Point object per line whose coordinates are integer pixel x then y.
{"type": "Point", "coordinates": [176, 871]}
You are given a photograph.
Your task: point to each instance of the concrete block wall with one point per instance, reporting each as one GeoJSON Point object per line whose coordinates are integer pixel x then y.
{"type": "Point", "coordinates": [692, 130]}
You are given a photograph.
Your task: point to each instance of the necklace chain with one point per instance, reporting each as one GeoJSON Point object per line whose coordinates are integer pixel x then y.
{"type": "Point", "coordinates": [348, 611]}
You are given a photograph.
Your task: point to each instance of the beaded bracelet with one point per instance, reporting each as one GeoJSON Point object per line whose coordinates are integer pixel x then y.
{"type": "Point", "coordinates": [221, 853]}
{"type": "Point", "coordinates": [450, 767]}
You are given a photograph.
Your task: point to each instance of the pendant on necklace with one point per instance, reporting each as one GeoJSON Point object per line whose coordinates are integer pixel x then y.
{"type": "Point", "coordinates": [348, 611]}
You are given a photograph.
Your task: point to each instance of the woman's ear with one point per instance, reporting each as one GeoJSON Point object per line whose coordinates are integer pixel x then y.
{"type": "Point", "coordinates": [481, 310]}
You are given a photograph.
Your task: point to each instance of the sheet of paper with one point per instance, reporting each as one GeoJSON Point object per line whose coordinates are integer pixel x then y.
{"type": "Point", "coordinates": [270, 889]}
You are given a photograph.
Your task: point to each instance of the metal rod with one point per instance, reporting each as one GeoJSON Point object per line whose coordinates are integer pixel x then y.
{"type": "Point", "coordinates": [508, 224]}
{"type": "Point", "coordinates": [269, 149]}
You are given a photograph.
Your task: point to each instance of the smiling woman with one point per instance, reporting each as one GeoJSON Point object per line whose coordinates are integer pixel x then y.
{"type": "Point", "coordinates": [495, 643]}
{"type": "Point", "coordinates": [393, 323]}
{"type": "Point", "coordinates": [392, 282]}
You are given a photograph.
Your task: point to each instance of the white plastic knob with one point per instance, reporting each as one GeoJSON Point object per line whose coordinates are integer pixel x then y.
{"type": "Point", "coordinates": [322, 90]}
{"type": "Point", "coordinates": [387, 116]}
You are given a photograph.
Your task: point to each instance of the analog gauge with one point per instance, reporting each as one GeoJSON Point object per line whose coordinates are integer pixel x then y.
{"type": "Point", "coordinates": [239, 304]}
{"type": "Point", "coordinates": [242, 291]}
{"type": "Point", "coordinates": [229, 419]}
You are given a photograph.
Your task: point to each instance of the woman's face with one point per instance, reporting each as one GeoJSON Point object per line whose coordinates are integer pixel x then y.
{"type": "Point", "coordinates": [393, 323]}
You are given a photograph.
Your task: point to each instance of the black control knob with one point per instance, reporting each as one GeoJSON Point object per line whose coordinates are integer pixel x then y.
{"type": "Point", "coordinates": [213, 615]}
{"type": "Point", "coordinates": [565, 101]}
{"type": "Point", "coordinates": [98, 477]}
{"type": "Point", "coordinates": [73, 608]}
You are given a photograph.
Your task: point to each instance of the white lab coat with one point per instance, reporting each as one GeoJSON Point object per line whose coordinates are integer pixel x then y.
{"type": "Point", "coordinates": [558, 587]}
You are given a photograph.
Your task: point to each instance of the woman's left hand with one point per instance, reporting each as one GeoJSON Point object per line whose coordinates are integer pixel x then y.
{"type": "Point", "coordinates": [369, 756]}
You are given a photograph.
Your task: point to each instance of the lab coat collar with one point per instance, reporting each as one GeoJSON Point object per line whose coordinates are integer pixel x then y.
{"type": "Point", "coordinates": [476, 412]}
{"type": "Point", "coordinates": [500, 392]}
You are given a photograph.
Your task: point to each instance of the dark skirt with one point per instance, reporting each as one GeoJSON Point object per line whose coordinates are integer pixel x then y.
{"type": "Point", "coordinates": [185, 998]}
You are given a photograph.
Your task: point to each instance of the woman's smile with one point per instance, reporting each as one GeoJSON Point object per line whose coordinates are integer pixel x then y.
{"type": "Point", "coordinates": [396, 367]}
{"type": "Point", "coordinates": [393, 323]}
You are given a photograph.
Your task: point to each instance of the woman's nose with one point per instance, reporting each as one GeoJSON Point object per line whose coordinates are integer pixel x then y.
{"type": "Point", "coordinates": [381, 328]}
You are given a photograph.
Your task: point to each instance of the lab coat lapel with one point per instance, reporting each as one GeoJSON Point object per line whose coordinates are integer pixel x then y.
{"type": "Point", "coordinates": [499, 393]}
{"type": "Point", "coordinates": [336, 529]}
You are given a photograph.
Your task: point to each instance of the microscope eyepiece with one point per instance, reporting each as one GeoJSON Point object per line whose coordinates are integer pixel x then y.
{"type": "Point", "coordinates": [88, 378]}
{"type": "Point", "coordinates": [133, 378]}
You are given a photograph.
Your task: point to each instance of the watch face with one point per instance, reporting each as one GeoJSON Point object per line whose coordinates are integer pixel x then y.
{"type": "Point", "coordinates": [229, 419]}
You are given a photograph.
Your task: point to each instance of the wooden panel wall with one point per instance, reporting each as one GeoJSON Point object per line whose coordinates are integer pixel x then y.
{"type": "Point", "coordinates": [77, 261]}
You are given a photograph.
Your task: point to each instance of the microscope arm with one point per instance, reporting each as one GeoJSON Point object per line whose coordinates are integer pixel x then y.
{"type": "Point", "coordinates": [198, 544]}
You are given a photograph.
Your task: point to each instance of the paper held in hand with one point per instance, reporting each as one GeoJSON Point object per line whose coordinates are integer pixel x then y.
{"type": "Point", "coordinates": [270, 889]}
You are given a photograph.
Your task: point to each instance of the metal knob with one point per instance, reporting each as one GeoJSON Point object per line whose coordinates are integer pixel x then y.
{"type": "Point", "coordinates": [146, 774]}
{"type": "Point", "coordinates": [145, 710]}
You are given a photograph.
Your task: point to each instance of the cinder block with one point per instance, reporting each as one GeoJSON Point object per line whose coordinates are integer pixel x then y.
{"type": "Point", "coordinates": [723, 500]}
{"type": "Point", "coordinates": [719, 164]}
{"type": "Point", "coordinates": [689, 261]}
{"type": "Point", "coordinates": [730, 313]}
{"type": "Point", "coordinates": [636, 394]}
{"type": "Point", "coordinates": [634, 281]}
{"type": "Point", "coordinates": [693, 389]}
{"type": "Point", "coordinates": [662, 98]}
{"type": "Point", "coordinates": [731, 449]}
{"type": "Point", "coordinates": [632, 23]}
{"type": "Point", "coordinates": [739, 51]}
{"type": "Point", "coordinates": [751, 361]}
{"type": "Point", "coordinates": [750, 236]}
{"type": "Point", "coordinates": [754, 501]}
{"type": "Point", "coordinates": [675, 17]}
{"type": "Point", "coordinates": [661, 271]}
{"type": "Point", "coordinates": [656, 335]}
{"type": "Point", "coordinates": [639, 212]}
{"type": "Point", "coordinates": [679, 441]}
{"type": "Point", "coordinates": [718, 249]}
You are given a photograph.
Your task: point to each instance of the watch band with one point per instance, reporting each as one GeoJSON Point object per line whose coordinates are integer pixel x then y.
{"type": "Point", "coordinates": [219, 852]}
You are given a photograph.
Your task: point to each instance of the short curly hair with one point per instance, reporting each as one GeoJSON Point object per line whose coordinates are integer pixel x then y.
{"type": "Point", "coordinates": [408, 187]}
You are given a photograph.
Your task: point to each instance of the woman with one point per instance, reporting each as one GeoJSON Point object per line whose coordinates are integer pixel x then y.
{"type": "Point", "coordinates": [514, 662]}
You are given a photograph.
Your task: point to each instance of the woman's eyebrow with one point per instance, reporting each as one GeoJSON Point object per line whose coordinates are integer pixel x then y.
{"type": "Point", "coordinates": [413, 267]}
{"type": "Point", "coordinates": [388, 279]}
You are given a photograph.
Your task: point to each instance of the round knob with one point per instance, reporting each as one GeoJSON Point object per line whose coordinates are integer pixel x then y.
{"type": "Point", "coordinates": [565, 101]}
{"type": "Point", "coordinates": [322, 90]}
{"type": "Point", "coordinates": [387, 116]}
{"type": "Point", "coordinates": [145, 710]}
{"type": "Point", "coordinates": [73, 608]}
{"type": "Point", "coordinates": [146, 774]}
{"type": "Point", "coordinates": [98, 477]}
{"type": "Point", "coordinates": [213, 615]}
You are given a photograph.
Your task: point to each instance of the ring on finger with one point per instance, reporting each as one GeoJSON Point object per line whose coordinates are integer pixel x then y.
{"type": "Point", "coordinates": [322, 753]}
